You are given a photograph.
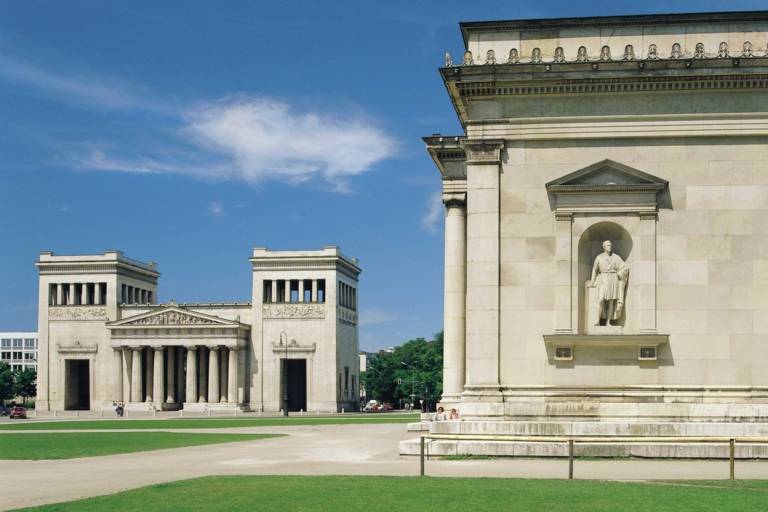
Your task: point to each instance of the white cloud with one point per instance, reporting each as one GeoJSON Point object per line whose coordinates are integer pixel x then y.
{"type": "Point", "coordinates": [265, 138]}
{"type": "Point", "coordinates": [90, 90]}
{"type": "Point", "coordinates": [375, 316]}
{"type": "Point", "coordinates": [430, 221]}
{"type": "Point", "coordinates": [216, 209]}
{"type": "Point", "coordinates": [249, 138]}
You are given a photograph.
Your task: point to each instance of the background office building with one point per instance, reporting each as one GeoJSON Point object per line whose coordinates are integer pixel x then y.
{"type": "Point", "coordinates": [19, 349]}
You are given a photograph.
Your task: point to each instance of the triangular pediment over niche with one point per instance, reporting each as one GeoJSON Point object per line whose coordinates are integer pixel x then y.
{"type": "Point", "coordinates": [604, 187]}
{"type": "Point", "coordinates": [173, 316]}
{"type": "Point", "coordinates": [607, 173]}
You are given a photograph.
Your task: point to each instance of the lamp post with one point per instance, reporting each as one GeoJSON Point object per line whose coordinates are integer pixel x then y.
{"type": "Point", "coordinates": [413, 379]}
{"type": "Point", "coordinates": [284, 341]}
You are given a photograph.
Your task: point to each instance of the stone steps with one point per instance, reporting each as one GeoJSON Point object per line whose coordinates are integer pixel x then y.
{"type": "Point", "coordinates": [544, 449]}
{"type": "Point", "coordinates": [576, 429]}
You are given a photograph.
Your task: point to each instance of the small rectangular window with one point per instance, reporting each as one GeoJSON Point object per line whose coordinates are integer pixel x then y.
{"type": "Point", "coordinates": [29, 343]}
{"type": "Point", "coordinates": [5, 343]}
{"type": "Point", "coordinates": [17, 343]}
{"type": "Point", "coordinates": [5, 356]}
{"type": "Point", "coordinates": [647, 354]}
{"type": "Point", "coordinates": [563, 353]}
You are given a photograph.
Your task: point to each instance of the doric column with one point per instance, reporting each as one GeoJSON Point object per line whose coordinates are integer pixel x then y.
{"type": "Point", "coordinates": [127, 363]}
{"type": "Point", "coordinates": [202, 391]}
{"type": "Point", "coordinates": [301, 290]}
{"type": "Point", "coordinates": [84, 293]}
{"type": "Point", "coordinates": [117, 392]}
{"type": "Point", "coordinates": [97, 293]}
{"type": "Point", "coordinates": [180, 395]}
{"type": "Point", "coordinates": [136, 374]}
{"type": "Point", "coordinates": [314, 290]}
{"type": "Point", "coordinates": [455, 291]}
{"type": "Point", "coordinates": [483, 320]}
{"type": "Point", "coordinates": [71, 298]}
{"type": "Point", "coordinates": [59, 294]}
{"type": "Point", "coordinates": [213, 375]}
{"type": "Point", "coordinates": [232, 375]}
{"type": "Point", "coordinates": [149, 373]}
{"type": "Point", "coordinates": [274, 291]}
{"type": "Point", "coordinates": [287, 290]}
{"type": "Point", "coordinates": [157, 391]}
{"type": "Point", "coordinates": [191, 374]}
{"type": "Point", "coordinates": [223, 374]}
{"type": "Point", "coordinates": [170, 371]}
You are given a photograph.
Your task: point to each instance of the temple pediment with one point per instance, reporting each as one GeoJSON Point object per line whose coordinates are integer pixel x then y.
{"type": "Point", "coordinates": [606, 186]}
{"type": "Point", "coordinates": [174, 316]}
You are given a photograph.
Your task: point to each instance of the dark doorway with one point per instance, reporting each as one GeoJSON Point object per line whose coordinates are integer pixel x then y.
{"type": "Point", "coordinates": [297, 384]}
{"type": "Point", "coordinates": [77, 385]}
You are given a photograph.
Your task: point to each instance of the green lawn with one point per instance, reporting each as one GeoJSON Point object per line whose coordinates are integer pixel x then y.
{"type": "Point", "coordinates": [392, 494]}
{"type": "Point", "coordinates": [208, 422]}
{"type": "Point", "coordinates": [72, 445]}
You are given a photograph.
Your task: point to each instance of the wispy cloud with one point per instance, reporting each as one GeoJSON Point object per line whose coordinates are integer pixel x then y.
{"type": "Point", "coordinates": [375, 316]}
{"type": "Point", "coordinates": [265, 138]}
{"type": "Point", "coordinates": [248, 138]}
{"type": "Point", "coordinates": [89, 90]}
{"type": "Point", "coordinates": [216, 209]}
{"type": "Point", "coordinates": [430, 221]}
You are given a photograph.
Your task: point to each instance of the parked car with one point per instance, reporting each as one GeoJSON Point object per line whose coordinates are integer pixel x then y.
{"type": "Point", "coordinates": [4, 410]}
{"type": "Point", "coordinates": [371, 406]}
{"type": "Point", "coordinates": [18, 412]}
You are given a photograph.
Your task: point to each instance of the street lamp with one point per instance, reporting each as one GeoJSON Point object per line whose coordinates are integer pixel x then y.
{"type": "Point", "coordinates": [284, 341]}
{"type": "Point", "coordinates": [413, 380]}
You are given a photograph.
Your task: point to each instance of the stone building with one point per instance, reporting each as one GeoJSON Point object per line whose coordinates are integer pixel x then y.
{"type": "Point", "coordinates": [104, 338]}
{"type": "Point", "coordinates": [650, 132]}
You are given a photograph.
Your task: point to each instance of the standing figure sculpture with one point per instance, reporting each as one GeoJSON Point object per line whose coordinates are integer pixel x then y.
{"type": "Point", "coordinates": [609, 276]}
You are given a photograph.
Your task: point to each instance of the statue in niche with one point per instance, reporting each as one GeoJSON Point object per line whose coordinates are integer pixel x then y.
{"type": "Point", "coordinates": [609, 276]}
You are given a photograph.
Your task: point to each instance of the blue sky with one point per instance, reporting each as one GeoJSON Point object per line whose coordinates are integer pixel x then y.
{"type": "Point", "coordinates": [188, 132]}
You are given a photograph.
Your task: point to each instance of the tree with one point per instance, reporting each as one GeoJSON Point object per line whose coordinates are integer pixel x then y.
{"type": "Point", "coordinates": [25, 383]}
{"type": "Point", "coordinates": [6, 382]}
{"type": "Point", "coordinates": [413, 370]}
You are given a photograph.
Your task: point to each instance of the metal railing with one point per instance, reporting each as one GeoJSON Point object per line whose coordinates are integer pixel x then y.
{"type": "Point", "coordinates": [596, 440]}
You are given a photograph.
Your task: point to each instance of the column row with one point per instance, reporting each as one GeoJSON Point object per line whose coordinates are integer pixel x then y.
{"type": "Point", "coordinates": [294, 290]}
{"type": "Point", "coordinates": [77, 294]}
{"type": "Point", "coordinates": [172, 374]}
{"type": "Point", "coordinates": [134, 295]}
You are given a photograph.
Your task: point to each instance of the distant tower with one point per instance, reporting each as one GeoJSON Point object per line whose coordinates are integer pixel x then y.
{"type": "Point", "coordinates": [77, 296]}
{"type": "Point", "coordinates": [305, 318]}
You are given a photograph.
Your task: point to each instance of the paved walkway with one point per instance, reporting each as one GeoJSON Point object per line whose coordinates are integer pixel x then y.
{"type": "Point", "coordinates": [309, 450]}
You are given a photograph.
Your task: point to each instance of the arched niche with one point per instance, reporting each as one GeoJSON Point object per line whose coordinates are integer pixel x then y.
{"type": "Point", "coordinates": [590, 245]}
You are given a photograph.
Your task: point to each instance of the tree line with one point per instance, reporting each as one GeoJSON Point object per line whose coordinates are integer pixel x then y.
{"type": "Point", "coordinates": [410, 373]}
{"type": "Point", "coordinates": [17, 383]}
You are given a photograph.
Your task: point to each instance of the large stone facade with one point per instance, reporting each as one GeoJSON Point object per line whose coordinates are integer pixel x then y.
{"type": "Point", "coordinates": [650, 132]}
{"type": "Point", "coordinates": [104, 339]}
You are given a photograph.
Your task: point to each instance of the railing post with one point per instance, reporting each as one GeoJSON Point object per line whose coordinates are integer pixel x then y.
{"type": "Point", "coordinates": [732, 456]}
{"type": "Point", "coordinates": [570, 459]}
{"type": "Point", "coordinates": [421, 456]}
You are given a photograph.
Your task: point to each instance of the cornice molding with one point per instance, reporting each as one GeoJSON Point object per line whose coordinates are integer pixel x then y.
{"type": "Point", "coordinates": [483, 151]}
{"type": "Point", "coordinates": [611, 85]}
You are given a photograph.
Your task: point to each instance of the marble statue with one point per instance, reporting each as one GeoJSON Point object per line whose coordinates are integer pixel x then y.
{"type": "Point", "coordinates": [609, 276]}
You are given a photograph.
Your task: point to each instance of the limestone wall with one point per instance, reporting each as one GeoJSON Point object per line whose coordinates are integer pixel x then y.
{"type": "Point", "coordinates": [711, 271]}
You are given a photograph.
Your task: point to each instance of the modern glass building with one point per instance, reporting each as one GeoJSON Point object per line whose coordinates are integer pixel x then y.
{"type": "Point", "coordinates": [19, 349]}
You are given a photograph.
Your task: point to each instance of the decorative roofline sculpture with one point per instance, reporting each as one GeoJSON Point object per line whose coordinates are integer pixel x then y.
{"type": "Point", "coordinates": [677, 51]}
{"type": "Point", "coordinates": [605, 54]}
{"type": "Point", "coordinates": [722, 51]}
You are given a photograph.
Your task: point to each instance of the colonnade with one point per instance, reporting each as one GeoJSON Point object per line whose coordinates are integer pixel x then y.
{"type": "Point", "coordinates": [307, 290]}
{"type": "Point", "coordinates": [172, 375]}
{"type": "Point", "coordinates": [77, 294]}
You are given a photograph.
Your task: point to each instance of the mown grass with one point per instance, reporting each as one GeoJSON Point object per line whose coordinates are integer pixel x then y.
{"type": "Point", "coordinates": [174, 423]}
{"type": "Point", "coordinates": [41, 446]}
{"type": "Point", "coordinates": [393, 494]}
